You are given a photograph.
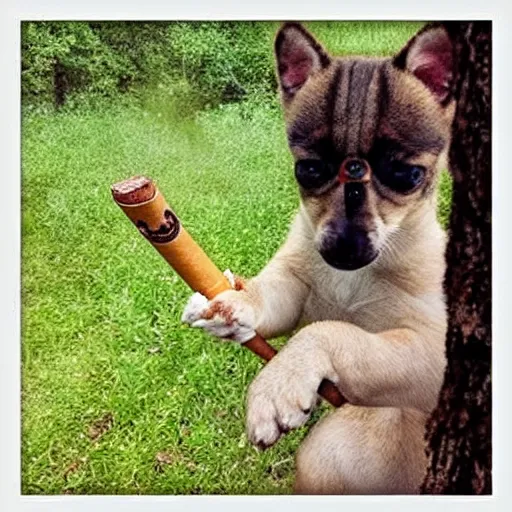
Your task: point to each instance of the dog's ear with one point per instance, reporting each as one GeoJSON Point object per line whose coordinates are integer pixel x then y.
{"type": "Point", "coordinates": [298, 56]}
{"type": "Point", "coordinates": [429, 57]}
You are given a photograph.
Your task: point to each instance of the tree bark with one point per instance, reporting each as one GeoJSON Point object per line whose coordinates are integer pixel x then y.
{"type": "Point", "coordinates": [459, 430]}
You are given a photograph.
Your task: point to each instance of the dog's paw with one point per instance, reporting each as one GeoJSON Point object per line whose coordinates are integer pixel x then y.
{"type": "Point", "coordinates": [279, 400]}
{"type": "Point", "coordinates": [229, 316]}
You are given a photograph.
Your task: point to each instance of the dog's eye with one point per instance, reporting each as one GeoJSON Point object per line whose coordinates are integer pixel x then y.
{"type": "Point", "coordinates": [401, 177]}
{"type": "Point", "coordinates": [313, 174]}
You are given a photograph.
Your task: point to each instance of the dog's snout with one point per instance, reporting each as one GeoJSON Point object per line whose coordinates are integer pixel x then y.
{"type": "Point", "coordinates": [355, 196]}
{"type": "Point", "coordinates": [347, 246]}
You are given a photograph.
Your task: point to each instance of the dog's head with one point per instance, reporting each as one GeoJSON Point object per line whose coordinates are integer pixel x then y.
{"type": "Point", "coordinates": [388, 118]}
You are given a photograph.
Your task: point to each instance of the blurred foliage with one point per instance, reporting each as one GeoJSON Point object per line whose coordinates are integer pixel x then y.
{"type": "Point", "coordinates": [203, 63]}
{"type": "Point", "coordinates": [67, 61]}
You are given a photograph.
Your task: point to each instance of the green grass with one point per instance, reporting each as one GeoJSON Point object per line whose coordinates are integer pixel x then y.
{"type": "Point", "coordinates": [101, 332]}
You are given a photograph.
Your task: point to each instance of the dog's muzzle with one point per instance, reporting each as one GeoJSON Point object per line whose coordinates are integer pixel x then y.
{"type": "Point", "coordinates": [347, 245]}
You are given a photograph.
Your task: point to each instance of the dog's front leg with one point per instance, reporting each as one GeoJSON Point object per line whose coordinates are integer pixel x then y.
{"type": "Point", "coordinates": [396, 368]}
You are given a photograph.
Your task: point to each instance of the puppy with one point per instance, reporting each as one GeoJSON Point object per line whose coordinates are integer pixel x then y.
{"type": "Point", "coordinates": [360, 277]}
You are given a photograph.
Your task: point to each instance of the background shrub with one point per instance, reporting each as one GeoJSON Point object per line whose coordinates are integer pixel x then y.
{"type": "Point", "coordinates": [59, 58]}
{"type": "Point", "coordinates": [224, 61]}
{"type": "Point", "coordinates": [75, 63]}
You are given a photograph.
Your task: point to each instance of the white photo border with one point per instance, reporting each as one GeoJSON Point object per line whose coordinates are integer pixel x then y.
{"type": "Point", "coordinates": [11, 16]}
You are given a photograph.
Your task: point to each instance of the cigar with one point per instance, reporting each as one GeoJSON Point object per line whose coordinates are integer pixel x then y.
{"type": "Point", "coordinates": [145, 206]}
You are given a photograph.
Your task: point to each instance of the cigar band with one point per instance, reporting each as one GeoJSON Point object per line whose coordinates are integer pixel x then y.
{"type": "Point", "coordinates": [166, 232]}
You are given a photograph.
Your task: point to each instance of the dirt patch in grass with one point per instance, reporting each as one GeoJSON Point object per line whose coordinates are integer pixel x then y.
{"type": "Point", "coordinates": [100, 427]}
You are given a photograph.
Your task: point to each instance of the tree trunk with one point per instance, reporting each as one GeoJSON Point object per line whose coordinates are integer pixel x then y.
{"type": "Point", "coordinates": [60, 84]}
{"type": "Point", "coordinates": [459, 430]}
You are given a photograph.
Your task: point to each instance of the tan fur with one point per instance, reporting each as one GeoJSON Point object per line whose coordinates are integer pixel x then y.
{"type": "Point", "coordinates": [377, 332]}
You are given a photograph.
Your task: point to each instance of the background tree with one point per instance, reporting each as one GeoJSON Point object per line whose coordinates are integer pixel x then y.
{"type": "Point", "coordinates": [459, 431]}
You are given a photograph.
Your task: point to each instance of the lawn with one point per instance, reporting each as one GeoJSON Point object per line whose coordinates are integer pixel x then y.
{"type": "Point", "coordinates": [117, 396]}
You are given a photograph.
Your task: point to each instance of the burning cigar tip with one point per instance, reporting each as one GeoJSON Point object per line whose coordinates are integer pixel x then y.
{"type": "Point", "coordinates": [134, 190]}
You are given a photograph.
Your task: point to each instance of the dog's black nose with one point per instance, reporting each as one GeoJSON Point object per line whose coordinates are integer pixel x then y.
{"type": "Point", "coordinates": [347, 247]}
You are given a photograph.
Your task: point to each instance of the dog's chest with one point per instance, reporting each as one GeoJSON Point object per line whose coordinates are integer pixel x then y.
{"type": "Point", "coordinates": [357, 297]}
